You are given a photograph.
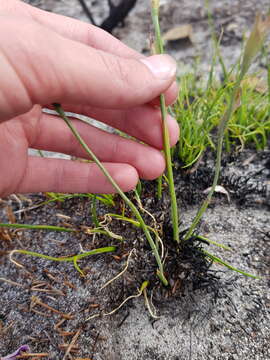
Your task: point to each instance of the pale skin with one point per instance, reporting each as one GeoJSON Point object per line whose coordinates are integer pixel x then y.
{"type": "Point", "coordinates": [47, 58]}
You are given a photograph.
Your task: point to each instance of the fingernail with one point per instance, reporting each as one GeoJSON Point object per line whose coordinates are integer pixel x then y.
{"type": "Point", "coordinates": [172, 122]}
{"type": "Point", "coordinates": [171, 119]}
{"type": "Point", "coordinates": [162, 67]}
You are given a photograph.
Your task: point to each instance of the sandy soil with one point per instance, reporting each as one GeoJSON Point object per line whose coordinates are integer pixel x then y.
{"type": "Point", "coordinates": [227, 319]}
{"type": "Point", "coordinates": [233, 17]}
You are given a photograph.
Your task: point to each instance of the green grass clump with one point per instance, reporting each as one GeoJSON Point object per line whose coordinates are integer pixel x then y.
{"type": "Point", "coordinates": [253, 45]}
{"type": "Point", "coordinates": [250, 124]}
{"type": "Point", "coordinates": [199, 110]}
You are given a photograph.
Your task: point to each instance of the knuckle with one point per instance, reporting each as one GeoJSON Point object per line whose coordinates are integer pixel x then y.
{"type": "Point", "coordinates": [59, 177]}
{"type": "Point", "coordinates": [122, 71]}
{"type": "Point", "coordinates": [117, 69]}
{"type": "Point", "coordinates": [115, 149]}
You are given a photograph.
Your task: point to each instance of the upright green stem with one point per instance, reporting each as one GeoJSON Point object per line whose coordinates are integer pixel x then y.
{"type": "Point", "coordinates": [268, 83]}
{"type": "Point", "coordinates": [167, 152]}
{"type": "Point", "coordinates": [133, 208]}
{"type": "Point", "coordinates": [221, 133]}
{"type": "Point", "coordinates": [94, 211]}
{"type": "Point", "coordinates": [159, 187]}
{"type": "Point", "coordinates": [166, 138]}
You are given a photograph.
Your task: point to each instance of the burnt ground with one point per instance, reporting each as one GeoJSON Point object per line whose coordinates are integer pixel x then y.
{"type": "Point", "coordinates": [208, 312]}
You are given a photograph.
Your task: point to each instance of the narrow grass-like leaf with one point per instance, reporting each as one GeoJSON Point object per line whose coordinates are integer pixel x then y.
{"type": "Point", "coordinates": [74, 259]}
{"type": "Point", "coordinates": [94, 211]}
{"type": "Point", "coordinates": [37, 227]}
{"type": "Point", "coordinates": [97, 230]}
{"type": "Point", "coordinates": [221, 262]}
{"type": "Point", "coordinates": [222, 246]}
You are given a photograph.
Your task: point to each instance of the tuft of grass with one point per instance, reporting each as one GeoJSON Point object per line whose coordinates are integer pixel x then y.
{"type": "Point", "coordinates": [195, 115]}
{"type": "Point", "coordinates": [199, 109]}
{"type": "Point", "coordinates": [250, 124]}
{"type": "Point", "coordinates": [253, 46]}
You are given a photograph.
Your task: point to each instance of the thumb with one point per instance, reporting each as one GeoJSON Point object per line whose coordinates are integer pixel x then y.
{"type": "Point", "coordinates": [52, 68]}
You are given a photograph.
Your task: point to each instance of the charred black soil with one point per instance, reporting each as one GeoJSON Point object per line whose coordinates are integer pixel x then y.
{"type": "Point", "coordinates": [198, 294]}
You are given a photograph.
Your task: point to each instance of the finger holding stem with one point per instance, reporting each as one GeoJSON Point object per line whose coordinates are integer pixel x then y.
{"type": "Point", "coordinates": [133, 208]}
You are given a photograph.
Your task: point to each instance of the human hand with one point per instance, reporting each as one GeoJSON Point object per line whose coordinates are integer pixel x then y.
{"type": "Point", "coordinates": [47, 58]}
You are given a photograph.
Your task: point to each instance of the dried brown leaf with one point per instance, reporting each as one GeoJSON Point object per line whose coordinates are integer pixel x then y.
{"type": "Point", "coordinates": [219, 189]}
{"type": "Point", "coordinates": [179, 33]}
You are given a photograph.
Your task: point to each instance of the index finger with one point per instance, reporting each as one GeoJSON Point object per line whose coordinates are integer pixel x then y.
{"type": "Point", "coordinates": [74, 29]}
{"type": "Point", "coordinates": [95, 37]}
{"type": "Point", "coordinates": [84, 33]}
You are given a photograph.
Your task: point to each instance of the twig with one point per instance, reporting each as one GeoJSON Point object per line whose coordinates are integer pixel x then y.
{"type": "Point", "coordinates": [36, 355]}
{"type": "Point", "coordinates": [143, 287]}
{"type": "Point", "coordinates": [152, 312]}
{"type": "Point", "coordinates": [121, 273]}
{"type": "Point", "coordinates": [72, 343]}
{"type": "Point", "coordinates": [117, 14]}
{"type": "Point", "coordinates": [36, 301]}
{"type": "Point", "coordinates": [94, 345]}
{"type": "Point", "coordinates": [11, 282]}
{"type": "Point", "coordinates": [87, 11]}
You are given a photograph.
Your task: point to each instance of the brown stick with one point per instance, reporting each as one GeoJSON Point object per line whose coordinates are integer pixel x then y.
{"type": "Point", "coordinates": [72, 343]}
{"type": "Point", "coordinates": [27, 355]}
